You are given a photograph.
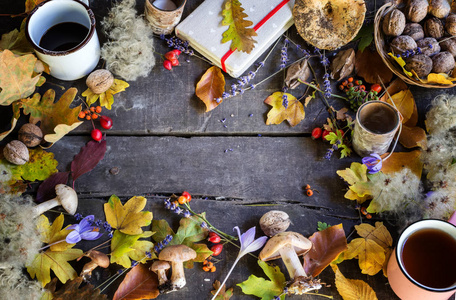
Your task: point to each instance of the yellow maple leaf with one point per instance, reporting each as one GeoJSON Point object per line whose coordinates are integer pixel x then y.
{"type": "Point", "coordinates": [356, 177]}
{"type": "Point", "coordinates": [399, 160]}
{"type": "Point", "coordinates": [378, 234]}
{"type": "Point", "coordinates": [106, 98]}
{"type": "Point", "coordinates": [128, 218]}
{"type": "Point", "coordinates": [353, 289]}
{"type": "Point", "coordinates": [293, 113]}
{"type": "Point", "coordinates": [404, 102]}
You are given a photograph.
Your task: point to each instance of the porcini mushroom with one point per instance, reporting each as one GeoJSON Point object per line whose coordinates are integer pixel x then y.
{"type": "Point", "coordinates": [160, 267]}
{"type": "Point", "coordinates": [288, 246]}
{"type": "Point", "coordinates": [66, 197]}
{"type": "Point", "coordinates": [99, 259]}
{"type": "Point", "coordinates": [177, 255]}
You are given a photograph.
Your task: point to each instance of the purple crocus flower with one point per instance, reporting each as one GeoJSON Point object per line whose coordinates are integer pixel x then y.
{"type": "Point", "coordinates": [373, 163]}
{"type": "Point", "coordinates": [83, 231]}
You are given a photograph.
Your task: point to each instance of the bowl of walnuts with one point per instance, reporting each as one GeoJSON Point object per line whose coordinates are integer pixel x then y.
{"type": "Point", "coordinates": [418, 42]}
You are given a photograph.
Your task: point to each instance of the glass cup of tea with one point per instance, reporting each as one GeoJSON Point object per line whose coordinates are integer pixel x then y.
{"type": "Point", "coordinates": [423, 264]}
{"type": "Point", "coordinates": [63, 35]}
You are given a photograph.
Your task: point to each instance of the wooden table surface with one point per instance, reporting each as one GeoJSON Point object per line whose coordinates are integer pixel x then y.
{"type": "Point", "coordinates": [164, 142]}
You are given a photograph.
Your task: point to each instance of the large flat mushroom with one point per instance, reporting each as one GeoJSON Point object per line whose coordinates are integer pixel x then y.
{"type": "Point", "coordinates": [177, 255]}
{"type": "Point", "coordinates": [328, 24]}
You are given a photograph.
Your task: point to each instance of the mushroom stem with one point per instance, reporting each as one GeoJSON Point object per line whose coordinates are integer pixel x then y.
{"type": "Point", "coordinates": [162, 279]}
{"type": "Point", "coordinates": [88, 268]}
{"type": "Point", "coordinates": [178, 275]}
{"type": "Point", "coordinates": [45, 206]}
{"type": "Point", "coordinates": [292, 262]}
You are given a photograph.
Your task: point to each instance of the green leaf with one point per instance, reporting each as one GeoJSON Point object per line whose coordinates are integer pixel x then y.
{"type": "Point", "coordinates": [40, 166]}
{"type": "Point", "coordinates": [190, 231]}
{"type": "Point", "coordinates": [16, 42]}
{"type": "Point", "coordinates": [9, 175]}
{"type": "Point", "coordinates": [125, 247]}
{"type": "Point", "coordinates": [262, 288]}
{"type": "Point", "coordinates": [345, 152]}
{"type": "Point", "coordinates": [322, 226]}
{"type": "Point", "coordinates": [332, 138]}
{"type": "Point", "coordinates": [240, 36]}
{"type": "Point", "coordinates": [365, 36]}
{"type": "Point", "coordinates": [356, 173]}
{"type": "Point", "coordinates": [202, 252]}
{"type": "Point", "coordinates": [161, 229]}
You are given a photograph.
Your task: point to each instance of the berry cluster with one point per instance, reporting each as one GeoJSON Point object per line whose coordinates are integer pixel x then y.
{"type": "Point", "coordinates": [171, 59]}
{"type": "Point", "coordinates": [357, 93]}
{"type": "Point", "coordinates": [174, 206]}
{"type": "Point", "coordinates": [216, 249]}
{"type": "Point", "coordinates": [208, 265]}
{"type": "Point", "coordinates": [309, 191]}
{"type": "Point", "coordinates": [93, 113]}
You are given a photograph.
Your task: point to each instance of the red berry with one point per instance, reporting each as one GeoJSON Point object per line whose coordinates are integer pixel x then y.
{"type": "Point", "coordinates": [176, 51]}
{"type": "Point", "coordinates": [106, 122]}
{"type": "Point", "coordinates": [187, 195]}
{"type": "Point", "coordinates": [96, 135]}
{"type": "Point", "coordinates": [217, 249]}
{"type": "Point", "coordinates": [324, 134]}
{"type": "Point", "coordinates": [170, 55]}
{"type": "Point", "coordinates": [376, 88]}
{"type": "Point", "coordinates": [316, 133]}
{"type": "Point", "coordinates": [167, 64]}
{"type": "Point", "coordinates": [174, 62]}
{"type": "Point", "coordinates": [214, 238]}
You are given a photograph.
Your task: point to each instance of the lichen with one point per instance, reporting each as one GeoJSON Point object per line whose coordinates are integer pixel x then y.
{"type": "Point", "coordinates": [129, 52]}
{"type": "Point", "coordinates": [14, 284]}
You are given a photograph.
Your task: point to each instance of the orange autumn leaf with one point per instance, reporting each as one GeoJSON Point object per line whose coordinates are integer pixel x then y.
{"type": "Point", "coordinates": [211, 87]}
{"type": "Point", "coordinates": [327, 245]}
{"type": "Point", "coordinates": [293, 113]}
{"type": "Point", "coordinates": [404, 102]}
{"type": "Point", "coordinates": [140, 283]}
{"type": "Point", "coordinates": [352, 289]}
{"type": "Point", "coordinates": [394, 87]}
{"type": "Point", "coordinates": [412, 137]}
{"type": "Point", "coordinates": [31, 4]}
{"type": "Point", "coordinates": [399, 160]}
{"type": "Point", "coordinates": [370, 66]}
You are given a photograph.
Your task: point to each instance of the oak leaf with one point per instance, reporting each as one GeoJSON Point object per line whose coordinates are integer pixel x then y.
{"type": "Point", "coordinates": [57, 119]}
{"type": "Point", "coordinates": [399, 160]}
{"type": "Point", "coordinates": [370, 66]}
{"type": "Point", "coordinates": [327, 245]}
{"type": "Point", "coordinates": [16, 116]}
{"type": "Point", "coordinates": [40, 166]}
{"type": "Point", "coordinates": [262, 288]}
{"type": "Point", "coordinates": [71, 291]}
{"type": "Point", "coordinates": [352, 289]}
{"type": "Point", "coordinates": [294, 113]}
{"type": "Point", "coordinates": [223, 294]}
{"type": "Point", "coordinates": [240, 36]}
{"type": "Point", "coordinates": [17, 77]}
{"type": "Point", "coordinates": [106, 98]}
{"type": "Point", "coordinates": [125, 248]}
{"type": "Point", "coordinates": [128, 218]}
{"type": "Point", "coordinates": [10, 175]}
{"type": "Point", "coordinates": [16, 42]}
{"type": "Point", "coordinates": [211, 87]}
{"type": "Point", "coordinates": [140, 283]}
{"type": "Point", "coordinates": [343, 64]}
{"type": "Point", "coordinates": [394, 87]}
{"type": "Point", "coordinates": [31, 4]}
{"type": "Point", "coordinates": [57, 256]}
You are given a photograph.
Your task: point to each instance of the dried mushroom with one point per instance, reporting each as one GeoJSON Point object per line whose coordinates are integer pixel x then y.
{"type": "Point", "coordinates": [343, 64]}
{"type": "Point", "coordinates": [328, 24]}
{"type": "Point", "coordinates": [443, 62]}
{"type": "Point", "coordinates": [414, 30]}
{"type": "Point", "coordinates": [298, 70]}
{"type": "Point", "coordinates": [416, 10]}
{"type": "Point", "coordinates": [394, 23]}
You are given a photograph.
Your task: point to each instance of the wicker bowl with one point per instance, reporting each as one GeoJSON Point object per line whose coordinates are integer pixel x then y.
{"type": "Point", "coordinates": [383, 49]}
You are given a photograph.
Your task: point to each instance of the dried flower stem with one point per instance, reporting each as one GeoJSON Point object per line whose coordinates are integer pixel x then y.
{"type": "Point", "coordinates": [47, 246]}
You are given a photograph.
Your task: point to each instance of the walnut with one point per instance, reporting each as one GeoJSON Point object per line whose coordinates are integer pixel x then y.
{"type": "Point", "coordinates": [30, 134]}
{"type": "Point", "coordinates": [274, 221]}
{"type": "Point", "coordinates": [402, 43]}
{"type": "Point", "coordinates": [429, 46]}
{"type": "Point", "coordinates": [449, 45]}
{"type": "Point", "coordinates": [433, 27]}
{"type": "Point", "coordinates": [16, 152]}
{"type": "Point", "coordinates": [439, 8]}
{"type": "Point", "coordinates": [450, 24]}
{"type": "Point", "coordinates": [394, 23]}
{"type": "Point", "coordinates": [420, 63]}
{"type": "Point", "coordinates": [416, 10]}
{"type": "Point", "coordinates": [100, 81]}
{"type": "Point", "coordinates": [443, 62]}
{"type": "Point", "coordinates": [414, 30]}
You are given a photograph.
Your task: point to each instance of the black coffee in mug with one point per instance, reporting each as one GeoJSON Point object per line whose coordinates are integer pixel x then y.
{"type": "Point", "coordinates": [64, 36]}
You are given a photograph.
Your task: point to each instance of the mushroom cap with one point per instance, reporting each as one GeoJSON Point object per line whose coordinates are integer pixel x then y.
{"type": "Point", "coordinates": [328, 24]}
{"type": "Point", "coordinates": [67, 198]}
{"type": "Point", "coordinates": [160, 265]}
{"type": "Point", "coordinates": [177, 253]}
{"type": "Point", "coordinates": [301, 244]}
{"type": "Point", "coordinates": [99, 258]}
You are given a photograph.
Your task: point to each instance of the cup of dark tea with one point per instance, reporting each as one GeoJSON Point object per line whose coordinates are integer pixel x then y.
{"type": "Point", "coordinates": [375, 126]}
{"type": "Point", "coordinates": [423, 264]}
{"type": "Point", "coordinates": [63, 35]}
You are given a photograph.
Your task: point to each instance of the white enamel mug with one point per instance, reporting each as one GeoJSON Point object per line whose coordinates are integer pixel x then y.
{"type": "Point", "coordinates": [76, 62]}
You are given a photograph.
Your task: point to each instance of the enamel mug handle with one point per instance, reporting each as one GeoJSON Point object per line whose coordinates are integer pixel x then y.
{"type": "Point", "coordinates": [85, 2]}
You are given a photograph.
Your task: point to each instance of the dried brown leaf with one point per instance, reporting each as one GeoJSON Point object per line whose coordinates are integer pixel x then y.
{"type": "Point", "coordinates": [71, 291]}
{"type": "Point", "coordinates": [395, 87]}
{"type": "Point", "coordinates": [211, 87]}
{"type": "Point", "coordinates": [370, 66]}
{"type": "Point", "coordinates": [223, 294]}
{"type": "Point", "coordinates": [343, 64]}
{"type": "Point", "coordinates": [299, 70]}
{"type": "Point", "coordinates": [140, 283]}
{"type": "Point", "coordinates": [399, 160]}
{"type": "Point", "coordinates": [412, 137]}
{"type": "Point", "coordinates": [405, 104]}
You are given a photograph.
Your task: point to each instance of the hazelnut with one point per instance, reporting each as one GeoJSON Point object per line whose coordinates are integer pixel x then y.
{"type": "Point", "coordinates": [394, 23]}
{"type": "Point", "coordinates": [274, 221]}
{"type": "Point", "coordinates": [420, 63]}
{"type": "Point", "coordinates": [414, 30]}
{"type": "Point", "coordinates": [429, 46]}
{"type": "Point", "coordinates": [100, 81]}
{"type": "Point", "coordinates": [433, 27]}
{"type": "Point", "coordinates": [402, 43]}
{"type": "Point", "coordinates": [439, 8]}
{"type": "Point", "coordinates": [449, 45]}
{"type": "Point", "coordinates": [416, 10]}
{"type": "Point", "coordinates": [16, 152]}
{"type": "Point", "coordinates": [450, 24]}
{"type": "Point", "coordinates": [443, 62]}
{"type": "Point", "coordinates": [30, 134]}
